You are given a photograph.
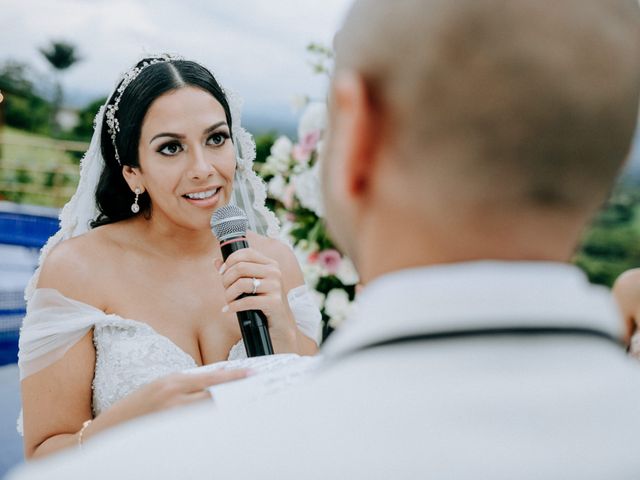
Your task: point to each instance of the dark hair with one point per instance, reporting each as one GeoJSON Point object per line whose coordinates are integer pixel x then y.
{"type": "Point", "coordinates": [113, 195]}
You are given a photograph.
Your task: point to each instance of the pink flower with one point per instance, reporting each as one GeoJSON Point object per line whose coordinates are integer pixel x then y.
{"type": "Point", "coordinates": [302, 151]}
{"type": "Point", "coordinates": [288, 196]}
{"type": "Point", "coordinates": [313, 257]}
{"type": "Point", "coordinates": [310, 140]}
{"type": "Point", "coordinates": [300, 154]}
{"type": "Point", "coordinates": [330, 260]}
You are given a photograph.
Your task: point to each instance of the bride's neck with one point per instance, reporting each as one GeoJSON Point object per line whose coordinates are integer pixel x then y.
{"type": "Point", "coordinates": [172, 241]}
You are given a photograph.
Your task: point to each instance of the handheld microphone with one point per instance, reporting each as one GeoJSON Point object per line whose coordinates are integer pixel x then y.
{"type": "Point", "coordinates": [229, 224]}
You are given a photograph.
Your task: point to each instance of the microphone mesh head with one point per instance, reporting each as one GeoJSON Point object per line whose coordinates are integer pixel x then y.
{"type": "Point", "coordinates": [228, 222]}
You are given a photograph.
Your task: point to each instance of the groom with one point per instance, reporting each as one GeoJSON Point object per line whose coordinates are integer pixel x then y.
{"type": "Point", "coordinates": [470, 143]}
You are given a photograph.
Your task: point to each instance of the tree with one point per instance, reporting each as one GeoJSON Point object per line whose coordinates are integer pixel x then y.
{"type": "Point", "coordinates": [84, 129]}
{"type": "Point", "coordinates": [61, 56]}
{"type": "Point", "coordinates": [24, 107]}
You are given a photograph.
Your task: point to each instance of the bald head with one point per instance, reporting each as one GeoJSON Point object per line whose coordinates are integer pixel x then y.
{"type": "Point", "coordinates": [520, 101]}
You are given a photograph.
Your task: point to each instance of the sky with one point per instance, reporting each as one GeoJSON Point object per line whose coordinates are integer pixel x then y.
{"type": "Point", "coordinates": [257, 48]}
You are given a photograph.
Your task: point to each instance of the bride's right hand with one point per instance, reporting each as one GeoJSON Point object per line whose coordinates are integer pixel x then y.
{"type": "Point", "coordinates": [176, 389]}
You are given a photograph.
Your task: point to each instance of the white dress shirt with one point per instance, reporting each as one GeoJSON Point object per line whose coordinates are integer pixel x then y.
{"type": "Point", "coordinates": [518, 406]}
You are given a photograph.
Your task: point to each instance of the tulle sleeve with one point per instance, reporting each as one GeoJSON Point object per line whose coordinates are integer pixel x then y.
{"type": "Point", "coordinates": [52, 325]}
{"type": "Point", "coordinates": [305, 311]}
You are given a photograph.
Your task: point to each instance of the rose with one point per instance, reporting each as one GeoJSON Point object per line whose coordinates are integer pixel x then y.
{"type": "Point", "coordinates": [330, 260]}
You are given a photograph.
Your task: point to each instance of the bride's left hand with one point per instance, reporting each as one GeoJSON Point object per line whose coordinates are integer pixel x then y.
{"type": "Point", "coordinates": [238, 273]}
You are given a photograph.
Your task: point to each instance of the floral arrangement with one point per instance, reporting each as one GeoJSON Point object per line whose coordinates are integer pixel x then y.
{"type": "Point", "coordinates": [293, 187]}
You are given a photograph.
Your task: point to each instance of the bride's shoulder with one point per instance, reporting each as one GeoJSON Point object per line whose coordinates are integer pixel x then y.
{"type": "Point", "coordinates": [75, 266]}
{"type": "Point", "coordinates": [271, 247]}
{"type": "Point", "coordinates": [280, 252]}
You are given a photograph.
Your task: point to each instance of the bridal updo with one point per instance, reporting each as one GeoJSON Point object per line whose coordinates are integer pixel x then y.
{"type": "Point", "coordinates": [113, 195]}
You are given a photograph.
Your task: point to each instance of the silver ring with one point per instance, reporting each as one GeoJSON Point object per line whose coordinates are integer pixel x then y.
{"type": "Point", "coordinates": [256, 285]}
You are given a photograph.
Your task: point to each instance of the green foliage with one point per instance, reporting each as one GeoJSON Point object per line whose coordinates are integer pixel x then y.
{"type": "Point", "coordinates": [23, 107]}
{"type": "Point", "coordinates": [30, 113]}
{"type": "Point", "coordinates": [84, 129]}
{"type": "Point", "coordinates": [61, 55]}
{"type": "Point", "coordinates": [15, 78]}
{"type": "Point", "coordinates": [263, 145]}
{"type": "Point", "coordinates": [321, 58]}
{"type": "Point", "coordinates": [612, 244]}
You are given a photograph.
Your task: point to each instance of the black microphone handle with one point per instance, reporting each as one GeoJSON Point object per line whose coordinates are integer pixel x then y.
{"type": "Point", "coordinates": [253, 323]}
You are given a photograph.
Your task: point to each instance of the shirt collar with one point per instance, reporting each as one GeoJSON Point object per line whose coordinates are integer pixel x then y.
{"type": "Point", "coordinates": [483, 294]}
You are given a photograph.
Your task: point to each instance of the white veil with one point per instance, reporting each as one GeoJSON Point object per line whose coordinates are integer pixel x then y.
{"type": "Point", "coordinates": [249, 191]}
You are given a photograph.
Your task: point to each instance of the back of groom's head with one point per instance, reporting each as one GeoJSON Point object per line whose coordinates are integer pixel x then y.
{"type": "Point", "coordinates": [537, 92]}
{"type": "Point", "coordinates": [522, 103]}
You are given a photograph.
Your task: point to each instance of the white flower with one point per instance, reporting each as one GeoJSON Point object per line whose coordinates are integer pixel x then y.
{"type": "Point", "coordinates": [275, 165]}
{"type": "Point", "coordinates": [314, 119]}
{"type": "Point", "coordinates": [347, 273]}
{"type": "Point", "coordinates": [276, 187]}
{"type": "Point", "coordinates": [301, 252]}
{"type": "Point", "coordinates": [320, 148]}
{"type": "Point", "coordinates": [298, 102]}
{"type": "Point", "coordinates": [307, 189]}
{"type": "Point", "coordinates": [337, 306]}
{"type": "Point", "coordinates": [280, 159]}
{"type": "Point", "coordinates": [318, 298]}
{"type": "Point", "coordinates": [312, 274]}
{"type": "Point", "coordinates": [281, 148]}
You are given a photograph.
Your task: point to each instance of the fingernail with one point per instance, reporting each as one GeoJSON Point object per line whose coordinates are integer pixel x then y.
{"type": "Point", "coordinates": [225, 309]}
{"type": "Point", "coordinates": [222, 269]}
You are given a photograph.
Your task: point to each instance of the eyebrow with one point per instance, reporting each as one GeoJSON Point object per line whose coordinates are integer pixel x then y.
{"type": "Point", "coordinates": [180, 136]}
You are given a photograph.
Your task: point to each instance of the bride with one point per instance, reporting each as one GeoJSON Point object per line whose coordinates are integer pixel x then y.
{"type": "Point", "coordinates": [132, 290]}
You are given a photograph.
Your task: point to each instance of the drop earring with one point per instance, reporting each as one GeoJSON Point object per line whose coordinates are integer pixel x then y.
{"type": "Point", "coordinates": [135, 208]}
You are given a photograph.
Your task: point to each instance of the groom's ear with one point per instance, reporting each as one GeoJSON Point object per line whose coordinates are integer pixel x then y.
{"type": "Point", "coordinates": [133, 177]}
{"type": "Point", "coordinates": [357, 131]}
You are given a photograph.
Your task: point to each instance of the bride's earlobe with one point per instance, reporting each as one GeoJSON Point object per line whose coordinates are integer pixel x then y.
{"type": "Point", "coordinates": [132, 177]}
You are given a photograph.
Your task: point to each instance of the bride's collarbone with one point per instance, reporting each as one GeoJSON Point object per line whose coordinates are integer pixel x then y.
{"type": "Point", "coordinates": [192, 322]}
{"type": "Point", "coordinates": [184, 307]}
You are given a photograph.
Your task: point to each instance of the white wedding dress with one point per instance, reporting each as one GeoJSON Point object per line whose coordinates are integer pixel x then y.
{"type": "Point", "coordinates": [129, 353]}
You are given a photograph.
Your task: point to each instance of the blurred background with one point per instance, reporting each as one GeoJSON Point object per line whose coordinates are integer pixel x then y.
{"type": "Point", "coordinates": [59, 60]}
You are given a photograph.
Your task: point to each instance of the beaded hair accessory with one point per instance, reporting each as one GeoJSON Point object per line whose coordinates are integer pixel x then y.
{"type": "Point", "coordinates": [111, 110]}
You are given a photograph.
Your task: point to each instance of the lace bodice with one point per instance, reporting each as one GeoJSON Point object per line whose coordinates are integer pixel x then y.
{"type": "Point", "coordinates": [129, 353]}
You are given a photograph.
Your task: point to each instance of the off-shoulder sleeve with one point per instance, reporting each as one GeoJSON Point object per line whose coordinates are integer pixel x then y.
{"type": "Point", "coordinates": [52, 325]}
{"type": "Point", "coordinates": [305, 311]}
